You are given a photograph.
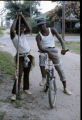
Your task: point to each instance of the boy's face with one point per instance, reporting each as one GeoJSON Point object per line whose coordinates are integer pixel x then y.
{"type": "Point", "coordinates": [22, 28]}
{"type": "Point", "coordinates": [42, 26]}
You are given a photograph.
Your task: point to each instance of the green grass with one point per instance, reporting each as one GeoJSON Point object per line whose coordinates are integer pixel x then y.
{"type": "Point", "coordinates": [2, 115]}
{"type": "Point", "coordinates": [17, 104]}
{"type": "Point", "coordinates": [72, 34]}
{"type": "Point", "coordinates": [72, 46]}
{"type": "Point", "coordinates": [7, 63]}
{"type": "Point", "coordinates": [2, 28]}
{"type": "Point", "coordinates": [1, 31]}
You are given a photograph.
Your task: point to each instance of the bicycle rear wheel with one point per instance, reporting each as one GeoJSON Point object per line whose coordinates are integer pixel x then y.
{"type": "Point", "coordinates": [52, 93]}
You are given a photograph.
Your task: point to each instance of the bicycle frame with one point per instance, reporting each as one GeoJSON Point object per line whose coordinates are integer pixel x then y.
{"type": "Point", "coordinates": [49, 66]}
{"type": "Point", "coordinates": [51, 83]}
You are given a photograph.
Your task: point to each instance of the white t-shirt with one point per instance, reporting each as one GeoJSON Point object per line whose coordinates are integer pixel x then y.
{"type": "Point", "coordinates": [47, 41]}
{"type": "Point", "coordinates": [23, 44]}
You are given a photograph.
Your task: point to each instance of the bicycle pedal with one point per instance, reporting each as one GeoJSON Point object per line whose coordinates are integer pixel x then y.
{"type": "Point", "coordinates": [54, 77]}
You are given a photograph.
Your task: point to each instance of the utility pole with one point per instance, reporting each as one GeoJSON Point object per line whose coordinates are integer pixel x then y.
{"type": "Point", "coordinates": [30, 9]}
{"type": "Point", "coordinates": [30, 13]}
{"type": "Point", "coordinates": [1, 22]}
{"type": "Point", "coordinates": [63, 20]}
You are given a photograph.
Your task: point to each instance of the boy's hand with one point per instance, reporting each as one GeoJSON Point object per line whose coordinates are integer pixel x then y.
{"type": "Point", "coordinates": [20, 14]}
{"type": "Point", "coordinates": [63, 52]}
{"type": "Point", "coordinates": [16, 17]}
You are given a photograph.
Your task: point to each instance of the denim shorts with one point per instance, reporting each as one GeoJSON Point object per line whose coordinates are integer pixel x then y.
{"type": "Point", "coordinates": [56, 62]}
{"type": "Point", "coordinates": [53, 52]}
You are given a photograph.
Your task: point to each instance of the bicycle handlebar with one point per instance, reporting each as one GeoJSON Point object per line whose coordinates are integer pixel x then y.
{"type": "Point", "coordinates": [63, 52]}
{"type": "Point", "coordinates": [67, 50]}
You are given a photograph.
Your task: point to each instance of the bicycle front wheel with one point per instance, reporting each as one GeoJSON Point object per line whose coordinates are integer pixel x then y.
{"type": "Point", "coordinates": [52, 93]}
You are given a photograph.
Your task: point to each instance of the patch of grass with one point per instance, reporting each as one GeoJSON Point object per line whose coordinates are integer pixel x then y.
{"type": "Point", "coordinates": [72, 34]}
{"type": "Point", "coordinates": [5, 100]}
{"type": "Point", "coordinates": [2, 115]}
{"type": "Point", "coordinates": [7, 63]}
{"type": "Point", "coordinates": [73, 46]}
{"type": "Point", "coordinates": [17, 104]}
{"type": "Point", "coordinates": [2, 28]}
{"type": "Point", "coordinates": [1, 33]}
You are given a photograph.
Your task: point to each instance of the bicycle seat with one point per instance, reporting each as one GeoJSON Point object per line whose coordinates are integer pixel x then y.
{"type": "Point", "coordinates": [23, 54]}
{"type": "Point", "coordinates": [40, 51]}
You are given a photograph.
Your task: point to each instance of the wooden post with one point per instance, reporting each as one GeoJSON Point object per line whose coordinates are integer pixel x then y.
{"type": "Point", "coordinates": [30, 13]}
{"type": "Point", "coordinates": [17, 90]}
{"type": "Point", "coordinates": [30, 9]}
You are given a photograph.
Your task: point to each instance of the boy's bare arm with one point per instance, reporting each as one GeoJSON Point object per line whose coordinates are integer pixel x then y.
{"type": "Point", "coordinates": [12, 29]}
{"type": "Point", "coordinates": [54, 32]}
{"type": "Point", "coordinates": [28, 27]}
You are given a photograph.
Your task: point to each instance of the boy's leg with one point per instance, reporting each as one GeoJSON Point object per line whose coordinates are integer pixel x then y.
{"type": "Point", "coordinates": [20, 75]}
{"type": "Point", "coordinates": [26, 77]}
{"type": "Point", "coordinates": [63, 79]}
{"type": "Point", "coordinates": [42, 68]}
{"type": "Point", "coordinates": [61, 75]}
{"type": "Point", "coordinates": [43, 72]}
{"type": "Point", "coordinates": [55, 58]}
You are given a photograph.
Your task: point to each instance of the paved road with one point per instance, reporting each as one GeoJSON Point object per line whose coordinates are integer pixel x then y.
{"type": "Point", "coordinates": [72, 38]}
{"type": "Point", "coordinates": [67, 107]}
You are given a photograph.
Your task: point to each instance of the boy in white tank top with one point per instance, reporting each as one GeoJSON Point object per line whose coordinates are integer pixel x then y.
{"type": "Point", "coordinates": [23, 48]}
{"type": "Point", "coordinates": [46, 44]}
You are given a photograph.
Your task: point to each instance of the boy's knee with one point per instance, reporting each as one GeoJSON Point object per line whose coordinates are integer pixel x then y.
{"type": "Point", "coordinates": [42, 58]}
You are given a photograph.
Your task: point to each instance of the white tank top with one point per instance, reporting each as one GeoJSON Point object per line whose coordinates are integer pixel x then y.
{"type": "Point", "coordinates": [47, 41]}
{"type": "Point", "coordinates": [23, 44]}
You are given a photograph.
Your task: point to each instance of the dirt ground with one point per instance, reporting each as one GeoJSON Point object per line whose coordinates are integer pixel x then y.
{"type": "Point", "coordinates": [36, 106]}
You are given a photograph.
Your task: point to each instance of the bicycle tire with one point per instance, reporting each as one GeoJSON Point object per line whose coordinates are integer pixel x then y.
{"type": "Point", "coordinates": [46, 88]}
{"type": "Point", "coordinates": [46, 85]}
{"type": "Point", "coordinates": [52, 93]}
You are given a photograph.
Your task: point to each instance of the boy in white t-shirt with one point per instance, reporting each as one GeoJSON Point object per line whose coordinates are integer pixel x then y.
{"type": "Point", "coordinates": [23, 48]}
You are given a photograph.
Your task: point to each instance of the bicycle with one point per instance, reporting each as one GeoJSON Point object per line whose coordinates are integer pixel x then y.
{"type": "Point", "coordinates": [50, 86]}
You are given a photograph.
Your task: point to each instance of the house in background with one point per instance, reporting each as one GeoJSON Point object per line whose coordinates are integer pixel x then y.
{"type": "Point", "coordinates": [71, 22]}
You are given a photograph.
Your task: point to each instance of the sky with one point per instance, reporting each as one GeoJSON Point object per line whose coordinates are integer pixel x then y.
{"type": "Point", "coordinates": [1, 4]}
{"type": "Point", "coordinates": [46, 6]}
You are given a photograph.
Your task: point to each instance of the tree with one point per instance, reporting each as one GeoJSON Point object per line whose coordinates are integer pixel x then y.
{"type": "Point", "coordinates": [16, 6]}
{"type": "Point", "coordinates": [74, 8]}
{"type": "Point", "coordinates": [70, 7]}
